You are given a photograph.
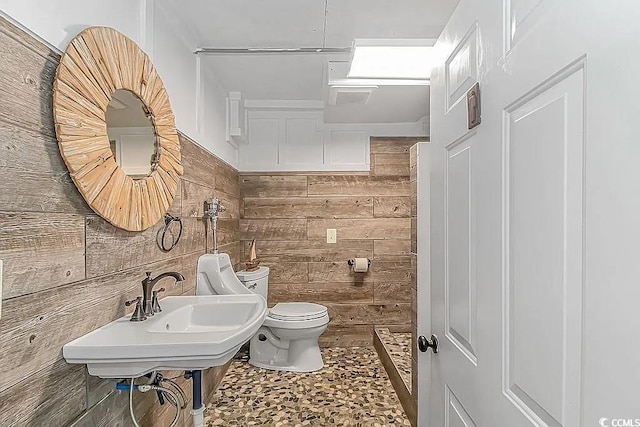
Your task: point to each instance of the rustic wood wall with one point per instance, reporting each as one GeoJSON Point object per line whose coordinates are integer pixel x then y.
{"type": "Point", "coordinates": [67, 271]}
{"type": "Point", "coordinates": [289, 213]}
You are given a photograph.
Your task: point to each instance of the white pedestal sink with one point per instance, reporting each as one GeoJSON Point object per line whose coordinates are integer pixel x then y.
{"type": "Point", "coordinates": [191, 333]}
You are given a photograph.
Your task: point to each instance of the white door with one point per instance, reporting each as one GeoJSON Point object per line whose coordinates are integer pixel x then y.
{"type": "Point", "coordinates": [535, 216]}
{"type": "Point", "coordinates": [424, 275]}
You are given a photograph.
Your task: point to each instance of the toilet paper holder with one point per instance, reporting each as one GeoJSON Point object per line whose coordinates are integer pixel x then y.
{"type": "Point", "coordinates": [351, 262]}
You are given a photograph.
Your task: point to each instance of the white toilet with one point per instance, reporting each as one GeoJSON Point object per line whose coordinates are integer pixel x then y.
{"type": "Point", "coordinates": [288, 338]}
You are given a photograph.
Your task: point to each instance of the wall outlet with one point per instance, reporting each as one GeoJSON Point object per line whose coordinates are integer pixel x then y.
{"type": "Point", "coordinates": [1, 274]}
{"type": "Point", "coordinates": [332, 235]}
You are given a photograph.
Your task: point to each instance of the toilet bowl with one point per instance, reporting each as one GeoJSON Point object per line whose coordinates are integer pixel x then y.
{"type": "Point", "coordinates": [288, 337]}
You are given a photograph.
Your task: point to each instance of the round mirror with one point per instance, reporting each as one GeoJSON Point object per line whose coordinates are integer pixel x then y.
{"type": "Point", "coordinates": [131, 134]}
{"type": "Point", "coordinates": [115, 127]}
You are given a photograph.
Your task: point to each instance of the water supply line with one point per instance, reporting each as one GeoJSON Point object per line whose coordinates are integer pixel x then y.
{"type": "Point", "coordinates": [171, 396]}
{"type": "Point", "coordinates": [171, 391]}
{"type": "Point", "coordinates": [211, 210]}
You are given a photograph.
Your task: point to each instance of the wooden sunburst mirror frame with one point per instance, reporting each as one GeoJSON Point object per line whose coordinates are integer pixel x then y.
{"type": "Point", "coordinates": [97, 62]}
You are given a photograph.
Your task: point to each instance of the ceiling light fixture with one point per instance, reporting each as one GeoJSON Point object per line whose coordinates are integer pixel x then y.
{"type": "Point", "coordinates": [408, 59]}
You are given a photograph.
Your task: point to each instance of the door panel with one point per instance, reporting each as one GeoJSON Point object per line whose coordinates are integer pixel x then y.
{"type": "Point", "coordinates": [461, 68]}
{"type": "Point", "coordinates": [460, 301]}
{"type": "Point", "coordinates": [521, 17]}
{"type": "Point", "coordinates": [456, 416]}
{"type": "Point", "coordinates": [544, 261]}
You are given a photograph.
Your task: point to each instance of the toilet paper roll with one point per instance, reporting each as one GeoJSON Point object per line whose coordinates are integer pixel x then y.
{"type": "Point", "coordinates": [361, 265]}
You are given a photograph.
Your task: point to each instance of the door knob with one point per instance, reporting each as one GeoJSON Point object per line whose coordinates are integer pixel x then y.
{"type": "Point", "coordinates": [424, 343]}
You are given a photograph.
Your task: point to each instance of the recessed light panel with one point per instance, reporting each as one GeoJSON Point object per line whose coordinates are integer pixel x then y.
{"type": "Point", "coordinates": [392, 59]}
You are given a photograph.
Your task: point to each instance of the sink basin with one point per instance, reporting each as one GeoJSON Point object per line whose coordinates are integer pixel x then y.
{"type": "Point", "coordinates": [192, 332]}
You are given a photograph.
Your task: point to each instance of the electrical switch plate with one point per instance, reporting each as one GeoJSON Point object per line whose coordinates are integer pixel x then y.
{"type": "Point", "coordinates": [1, 273]}
{"type": "Point", "coordinates": [332, 235]}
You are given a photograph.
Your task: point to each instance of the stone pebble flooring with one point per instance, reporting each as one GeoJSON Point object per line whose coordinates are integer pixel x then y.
{"type": "Point", "coordinates": [352, 389]}
{"type": "Point", "coordinates": [398, 345]}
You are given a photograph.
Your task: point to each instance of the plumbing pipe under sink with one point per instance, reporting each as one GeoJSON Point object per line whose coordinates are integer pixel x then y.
{"type": "Point", "coordinates": [198, 417]}
{"type": "Point", "coordinates": [198, 408]}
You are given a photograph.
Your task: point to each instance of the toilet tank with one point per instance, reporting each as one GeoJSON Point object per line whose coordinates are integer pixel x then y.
{"type": "Point", "coordinates": [256, 281]}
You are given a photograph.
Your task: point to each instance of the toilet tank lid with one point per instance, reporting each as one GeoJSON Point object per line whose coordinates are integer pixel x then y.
{"type": "Point", "coordinates": [245, 275]}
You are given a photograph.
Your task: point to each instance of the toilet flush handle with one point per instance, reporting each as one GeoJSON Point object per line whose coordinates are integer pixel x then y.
{"type": "Point", "coordinates": [252, 286]}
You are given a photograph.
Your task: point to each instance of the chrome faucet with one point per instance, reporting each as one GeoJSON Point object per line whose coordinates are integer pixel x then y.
{"type": "Point", "coordinates": [147, 287]}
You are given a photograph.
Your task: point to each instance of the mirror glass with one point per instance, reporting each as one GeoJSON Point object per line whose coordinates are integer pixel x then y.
{"type": "Point", "coordinates": [131, 134]}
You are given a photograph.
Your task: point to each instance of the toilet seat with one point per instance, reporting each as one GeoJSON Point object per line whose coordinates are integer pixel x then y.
{"type": "Point", "coordinates": [297, 311]}
{"type": "Point", "coordinates": [296, 315]}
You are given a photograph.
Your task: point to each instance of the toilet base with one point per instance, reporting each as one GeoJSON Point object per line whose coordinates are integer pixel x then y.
{"type": "Point", "coordinates": [301, 355]}
{"type": "Point", "coordinates": [284, 368]}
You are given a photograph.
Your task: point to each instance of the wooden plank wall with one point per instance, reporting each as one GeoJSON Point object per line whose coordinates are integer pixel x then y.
{"type": "Point", "coordinates": [67, 271]}
{"type": "Point", "coordinates": [289, 214]}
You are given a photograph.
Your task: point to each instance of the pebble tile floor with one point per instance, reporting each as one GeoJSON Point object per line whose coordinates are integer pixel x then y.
{"type": "Point", "coordinates": [352, 389]}
{"type": "Point", "coordinates": [398, 345]}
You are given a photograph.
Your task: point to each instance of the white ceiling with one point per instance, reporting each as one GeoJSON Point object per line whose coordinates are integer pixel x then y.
{"type": "Point", "coordinates": [308, 23]}
{"type": "Point", "coordinates": [270, 76]}
{"type": "Point", "coordinates": [388, 104]}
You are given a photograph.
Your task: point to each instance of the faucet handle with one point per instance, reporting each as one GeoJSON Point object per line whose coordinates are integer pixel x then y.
{"type": "Point", "coordinates": [154, 300]}
{"type": "Point", "coordinates": [135, 300]}
{"type": "Point", "coordinates": [138, 314]}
